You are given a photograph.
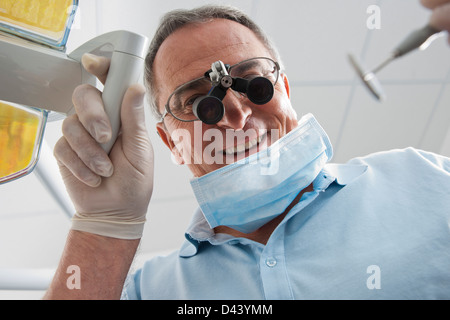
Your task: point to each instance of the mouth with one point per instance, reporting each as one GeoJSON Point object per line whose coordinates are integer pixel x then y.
{"type": "Point", "coordinates": [246, 148]}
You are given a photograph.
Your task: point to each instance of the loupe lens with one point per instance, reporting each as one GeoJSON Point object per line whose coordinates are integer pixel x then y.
{"type": "Point", "coordinates": [260, 90]}
{"type": "Point", "coordinates": [209, 109]}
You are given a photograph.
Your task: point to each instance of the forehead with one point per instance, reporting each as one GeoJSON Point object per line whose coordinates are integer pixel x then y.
{"type": "Point", "coordinates": [188, 52]}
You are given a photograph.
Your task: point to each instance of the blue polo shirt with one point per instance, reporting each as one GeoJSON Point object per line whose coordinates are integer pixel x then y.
{"type": "Point", "coordinates": [377, 227]}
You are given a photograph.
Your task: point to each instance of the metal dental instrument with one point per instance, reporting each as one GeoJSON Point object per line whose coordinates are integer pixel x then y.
{"type": "Point", "coordinates": [420, 38]}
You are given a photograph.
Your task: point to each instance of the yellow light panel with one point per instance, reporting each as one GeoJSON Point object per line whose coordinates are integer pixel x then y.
{"type": "Point", "coordinates": [18, 134]}
{"type": "Point", "coordinates": [47, 18]}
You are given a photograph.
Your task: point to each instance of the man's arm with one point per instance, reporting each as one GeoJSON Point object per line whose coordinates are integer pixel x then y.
{"type": "Point", "coordinates": [110, 192]}
{"type": "Point", "coordinates": [92, 267]}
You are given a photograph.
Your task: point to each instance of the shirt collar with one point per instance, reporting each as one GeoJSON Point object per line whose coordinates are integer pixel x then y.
{"type": "Point", "coordinates": [199, 229]}
{"type": "Point", "coordinates": [344, 173]}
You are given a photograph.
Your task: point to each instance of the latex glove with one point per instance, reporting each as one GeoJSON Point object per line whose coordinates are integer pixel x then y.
{"type": "Point", "coordinates": [110, 193]}
{"type": "Point", "coordinates": [440, 17]}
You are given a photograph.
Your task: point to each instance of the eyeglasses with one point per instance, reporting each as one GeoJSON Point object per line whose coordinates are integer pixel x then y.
{"type": "Point", "coordinates": [180, 103]}
{"type": "Point", "coordinates": [21, 133]}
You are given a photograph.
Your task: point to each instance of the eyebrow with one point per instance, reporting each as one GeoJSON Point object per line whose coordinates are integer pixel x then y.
{"type": "Point", "coordinates": [189, 86]}
{"type": "Point", "coordinates": [243, 66]}
{"type": "Point", "coordinates": [192, 85]}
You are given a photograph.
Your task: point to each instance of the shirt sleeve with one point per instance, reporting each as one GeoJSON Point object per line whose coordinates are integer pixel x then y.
{"type": "Point", "coordinates": [409, 158]}
{"type": "Point", "coordinates": [437, 160]}
{"type": "Point", "coordinates": [130, 289]}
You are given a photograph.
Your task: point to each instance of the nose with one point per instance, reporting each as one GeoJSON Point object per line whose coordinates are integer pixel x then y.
{"type": "Point", "coordinates": [237, 113]}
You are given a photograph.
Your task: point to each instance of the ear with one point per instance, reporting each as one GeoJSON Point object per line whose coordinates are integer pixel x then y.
{"type": "Point", "coordinates": [164, 134]}
{"type": "Point", "coordinates": [286, 84]}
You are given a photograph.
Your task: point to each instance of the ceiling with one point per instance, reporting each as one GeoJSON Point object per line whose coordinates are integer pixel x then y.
{"type": "Point", "coordinates": [314, 38]}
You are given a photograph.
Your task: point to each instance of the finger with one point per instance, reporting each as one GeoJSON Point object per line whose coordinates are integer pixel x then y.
{"type": "Point", "coordinates": [87, 150]}
{"type": "Point", "coordinates": [135, 141]}
{"type": "Point", "coordinates": [68, 161]}
{"type": "Point", "coordinates": [431, 4]}
{"type": "Point", "coordinates": [96, 65]}
{"type": "Point", "coordinates": [89, 107]}
{"type": "Point", "coordinates": [440, 17]}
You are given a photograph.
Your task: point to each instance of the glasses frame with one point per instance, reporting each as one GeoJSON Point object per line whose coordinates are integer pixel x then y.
{"type": "Point", "coordinates": [229, 68]}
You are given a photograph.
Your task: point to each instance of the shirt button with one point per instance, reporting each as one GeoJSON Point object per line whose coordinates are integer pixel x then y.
{"type": "Point", "coordinates": [271, 262]}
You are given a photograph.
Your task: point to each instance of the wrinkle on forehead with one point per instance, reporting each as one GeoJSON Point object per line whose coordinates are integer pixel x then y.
{"type": "Point", "coordinates": [208, 56]}
{"type": "Point", "coordinates": [189, 52]}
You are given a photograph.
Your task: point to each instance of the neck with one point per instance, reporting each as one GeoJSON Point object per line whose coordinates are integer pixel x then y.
{"type": "Point", "coordinates": [263, 234]}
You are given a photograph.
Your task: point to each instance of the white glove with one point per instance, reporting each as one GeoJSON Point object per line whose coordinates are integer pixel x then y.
{"type": "Point", "coordinates": [110, 193]}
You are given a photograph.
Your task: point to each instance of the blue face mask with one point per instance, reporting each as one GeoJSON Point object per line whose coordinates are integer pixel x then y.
{"type": "Point", "coordinates": [249, 193]}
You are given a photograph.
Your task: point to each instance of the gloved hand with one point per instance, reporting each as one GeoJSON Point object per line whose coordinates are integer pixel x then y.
{"type": "Point", "coordinates": [440, 17]}
{"type": "Point", "coordinates": [110, 193]}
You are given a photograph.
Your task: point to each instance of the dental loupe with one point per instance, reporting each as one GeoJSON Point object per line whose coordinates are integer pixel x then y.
{"type": "Point", "coordinates": [210, 109]}
{"type": "Point", "coordinates": [420, 38]}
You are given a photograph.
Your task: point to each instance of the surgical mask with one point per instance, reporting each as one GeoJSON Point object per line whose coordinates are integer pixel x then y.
{"type": "Point", "coordinates": [249, 193]}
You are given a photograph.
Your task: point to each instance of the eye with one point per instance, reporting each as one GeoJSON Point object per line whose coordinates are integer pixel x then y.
{"type": "Point", "coordinates": [190, 101]}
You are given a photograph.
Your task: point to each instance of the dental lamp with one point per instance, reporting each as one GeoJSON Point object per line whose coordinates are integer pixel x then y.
{"type": "Point", "coordinates": [44, 77]}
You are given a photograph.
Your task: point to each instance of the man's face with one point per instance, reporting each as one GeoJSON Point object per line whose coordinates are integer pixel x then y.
{"type": "Point", "coordinates": [186, 55]}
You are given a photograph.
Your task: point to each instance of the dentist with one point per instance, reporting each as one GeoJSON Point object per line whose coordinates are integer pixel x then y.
{"type": "Point", "coordinates": [278, 221]}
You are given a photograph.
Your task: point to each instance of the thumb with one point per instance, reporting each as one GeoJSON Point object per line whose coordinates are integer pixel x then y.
{"type": "Point", "coordinates": [431, 4]}
{"type": "Point", "coordinates": [440, 18]}
{"type": "Point", "coordinates": [96, 65]}
{"type": "Point", "coordinates": [136, 143]}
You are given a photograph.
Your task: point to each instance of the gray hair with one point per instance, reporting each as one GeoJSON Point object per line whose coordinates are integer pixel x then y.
{"type": "Point", "coordinates": [176, 19]}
